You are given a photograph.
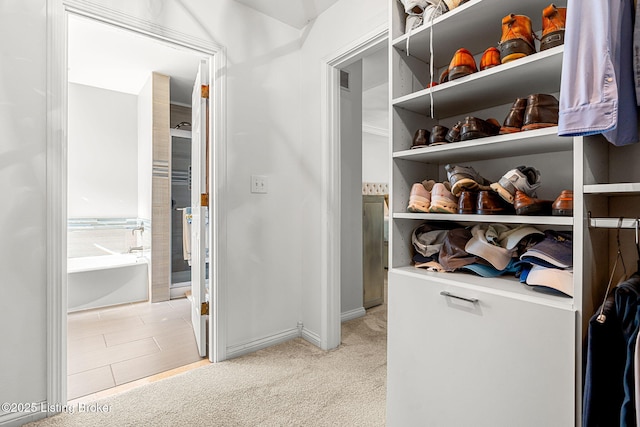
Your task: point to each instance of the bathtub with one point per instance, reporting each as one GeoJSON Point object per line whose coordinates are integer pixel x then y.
{"type": "Point", "coordinates": [100, 281]}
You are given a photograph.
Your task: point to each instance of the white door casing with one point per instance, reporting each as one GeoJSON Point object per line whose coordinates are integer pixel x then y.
{"type": "Point", "coordinates": [57, 14]}
{"type": "Point", "coordinates": [199, 207]}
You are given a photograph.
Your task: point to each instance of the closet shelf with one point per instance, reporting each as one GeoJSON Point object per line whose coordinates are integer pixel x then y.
{"type": "Point", "coordinates": [505, 219]}
{"type": "Point", "coordinates": [617, 189]}
{"type": "Point", "coordinates": [502, 285]}
{"type": "Point", "coordinates": [466, 26]}
{"type": "Point", "coordinates": [537, 141]}
{"type": "Point", "coordinates": [498, 85]}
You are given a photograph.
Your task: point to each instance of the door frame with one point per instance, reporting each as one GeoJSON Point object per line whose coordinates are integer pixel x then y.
{"type": "Point", "coordinates": [56, 175]}
{"type": "Point", "coordinates": [330, 319]}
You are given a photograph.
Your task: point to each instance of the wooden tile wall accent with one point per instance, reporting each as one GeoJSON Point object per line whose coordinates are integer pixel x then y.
{"type": "Point", "coordinates": [161, 192]}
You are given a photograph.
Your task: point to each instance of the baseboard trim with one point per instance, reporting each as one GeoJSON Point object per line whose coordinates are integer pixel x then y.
{"type": "Point", "coordinates": [311, 337]}
{"type": "Point", "coordinates": [352, 314]}
{"type": "Point", "coordinates": [20, 418]}
{"type": "Point", "coordinates": [259, 344]}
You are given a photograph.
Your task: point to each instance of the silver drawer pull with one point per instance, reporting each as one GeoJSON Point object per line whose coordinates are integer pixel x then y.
{"type": "Point", "coordinates": [449, 294]}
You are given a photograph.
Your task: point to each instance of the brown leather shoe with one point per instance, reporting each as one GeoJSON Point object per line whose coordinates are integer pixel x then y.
{"type": "Point", "coordinates": [526, 205]}
{"type": "Point", "coordinates": [517, 38]}
{"type": "Point", "coordinates": [541, 112]}
{"type": "Point", "coordinates": [421, 138]}
{"type": "Point", "coordinates": [563, 205]}
{"type": "Point", "coordinates": [553, 22]}
{"type": "Point", "coordinates": [515, 118]}
{"type": "Point", "coordinates": [438, 135]}
{"type": "Point", "coordinates": [474, 128]}
{"type": "Point", "coordinates": [462, 64]}
{"type": "Point", "coordinates": [444, 77]}
{"type": "Point", "coordinates": [467, 202]}
{"type": "Point", "coordinates": [454, 133]}
{"type": "Point", "coordinates": [490, 203]}
{"type": "Point", "coordinates": [490, 58]}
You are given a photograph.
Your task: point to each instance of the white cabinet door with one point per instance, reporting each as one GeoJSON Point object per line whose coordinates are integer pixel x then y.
{"type": "Point", "coordinates": [496, 362]}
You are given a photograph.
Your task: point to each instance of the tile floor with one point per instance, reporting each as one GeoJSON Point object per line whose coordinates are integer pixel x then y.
{"type": "Point", "coordinates": [116, 345]}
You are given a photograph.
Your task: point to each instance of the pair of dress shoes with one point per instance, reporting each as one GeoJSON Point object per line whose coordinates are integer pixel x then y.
{"type": "Point", "coordinates": [536, 111]}
{"type": "Point", "coordinates": [483, 202]}
{"type": "Point", "coordinates": [561, 206]}
{"type": "Point", "coordinates": [423, 137]}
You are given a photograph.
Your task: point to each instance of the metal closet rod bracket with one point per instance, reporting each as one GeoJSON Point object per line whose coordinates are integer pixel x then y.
{"type": "Point", "coordinates": [612, 222]}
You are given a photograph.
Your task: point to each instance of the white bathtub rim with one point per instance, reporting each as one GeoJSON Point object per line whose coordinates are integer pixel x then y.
{"type": "Point", "coordinates": [103, 262]}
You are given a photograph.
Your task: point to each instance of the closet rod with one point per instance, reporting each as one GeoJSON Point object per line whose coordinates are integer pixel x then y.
{"type": "Point", "coordinates": [612, 222]}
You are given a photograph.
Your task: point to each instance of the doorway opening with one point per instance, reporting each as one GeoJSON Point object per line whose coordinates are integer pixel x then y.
{"type": "Point", "coordinates": [125, 319]}
{"type": "Point", "coordinates": [334, 216]}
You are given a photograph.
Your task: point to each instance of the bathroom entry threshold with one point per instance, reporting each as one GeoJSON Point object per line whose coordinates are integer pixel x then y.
{"type": "Point", "coordinates": [111, 347]}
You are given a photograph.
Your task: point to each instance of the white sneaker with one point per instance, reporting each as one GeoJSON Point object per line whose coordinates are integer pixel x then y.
{"type": "Point", "coordinates": [419, 11]}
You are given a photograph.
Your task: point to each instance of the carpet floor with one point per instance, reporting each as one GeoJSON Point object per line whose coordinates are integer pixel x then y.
{"type": "Point", "coordinates": [290, 384]}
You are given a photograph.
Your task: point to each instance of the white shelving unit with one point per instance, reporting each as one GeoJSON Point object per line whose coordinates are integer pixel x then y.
{"type": "Point", "coordinates": [503, 354]}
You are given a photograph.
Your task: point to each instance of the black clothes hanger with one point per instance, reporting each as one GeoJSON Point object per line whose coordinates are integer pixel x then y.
{"type": "Point", "coordinates": [601, 317]}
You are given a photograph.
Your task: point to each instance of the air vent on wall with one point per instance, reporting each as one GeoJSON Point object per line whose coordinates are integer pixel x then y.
{"type": "Point", "coordinates": [344, 80]}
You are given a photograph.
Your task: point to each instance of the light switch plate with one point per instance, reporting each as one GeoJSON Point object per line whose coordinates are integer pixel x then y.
{"type": "Point", "coordinates": [259, 184]}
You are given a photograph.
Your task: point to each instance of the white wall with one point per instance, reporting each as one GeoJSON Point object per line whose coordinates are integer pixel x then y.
{"type": "Point", "coordinates": [23, 189]}
{"type": "Point", "coordinates": [273, 129]}
{"type": "Point", "coordinates": [102, 153]}
{"type": "Point", "coordinates": [339, 26]}
{"type": "Point", "coordinates": [351, 296]}
{"type": "Point", "coordinates": [145, 150]}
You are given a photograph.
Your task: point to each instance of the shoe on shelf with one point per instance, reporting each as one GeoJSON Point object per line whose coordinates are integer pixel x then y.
{"type": "Point", "coordinates": [465, 178]}
{"type": "Point", "coordinates": [517, 38]}
{"type": "Point", "coordinates": [490, 203]}
{"type": "Point", "coordinates": [414, 10]}
{"type": "Point", "coordinates": [462, 64]}
{"type": "Point", "coordinates": [452, 4]}
{"type": "Point", "coordinates": [523, 178]}
{"type": "Point", "coordinates": [563, 205]}
{"type": "Point", "coordinates": [432, 11]}
{"type": "Point", "coordinates": [490, 58]}
{"type": "Point", "coordinates": [442, 200]}
{"type": "Point", "coordinates": [474, 128]}
{"type": "Point", "coordinates": [513, 122]}
{"type": "Point", "coordinates": [526, 205]}
{"type": "Point", "coordinates": [541, 112]}
{"type": "Point", "coordinates": [420, 196]}
{"type": "Point", "coordinates": [438, 135]}
{"type": "Point", "coordinates": [453, 135]}
{"type": "Point", "coordinates": [467, 202]}
{"type": "Point", "coordinates": [553, 22]}
{"type": "Point", "coordinates": [421, 138]}
{"type": "Point", "coordinates": [444, 77]}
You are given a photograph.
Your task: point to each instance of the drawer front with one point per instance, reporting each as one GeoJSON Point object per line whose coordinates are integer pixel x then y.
{"type": "Point", "coordinates": [498, 361]}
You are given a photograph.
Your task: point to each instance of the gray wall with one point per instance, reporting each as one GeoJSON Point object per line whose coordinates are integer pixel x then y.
{"type": "Point", "coordinates": [351, 195]}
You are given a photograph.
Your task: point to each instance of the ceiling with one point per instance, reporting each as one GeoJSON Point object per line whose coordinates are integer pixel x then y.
{"type": "Point", "coordinates": [107, 57]}
{"type": "Point", "coordinates": [297, 13]}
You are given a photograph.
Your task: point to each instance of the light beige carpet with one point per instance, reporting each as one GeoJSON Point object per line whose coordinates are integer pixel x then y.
{"type": "Point", "coordinates": [290, 384]}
